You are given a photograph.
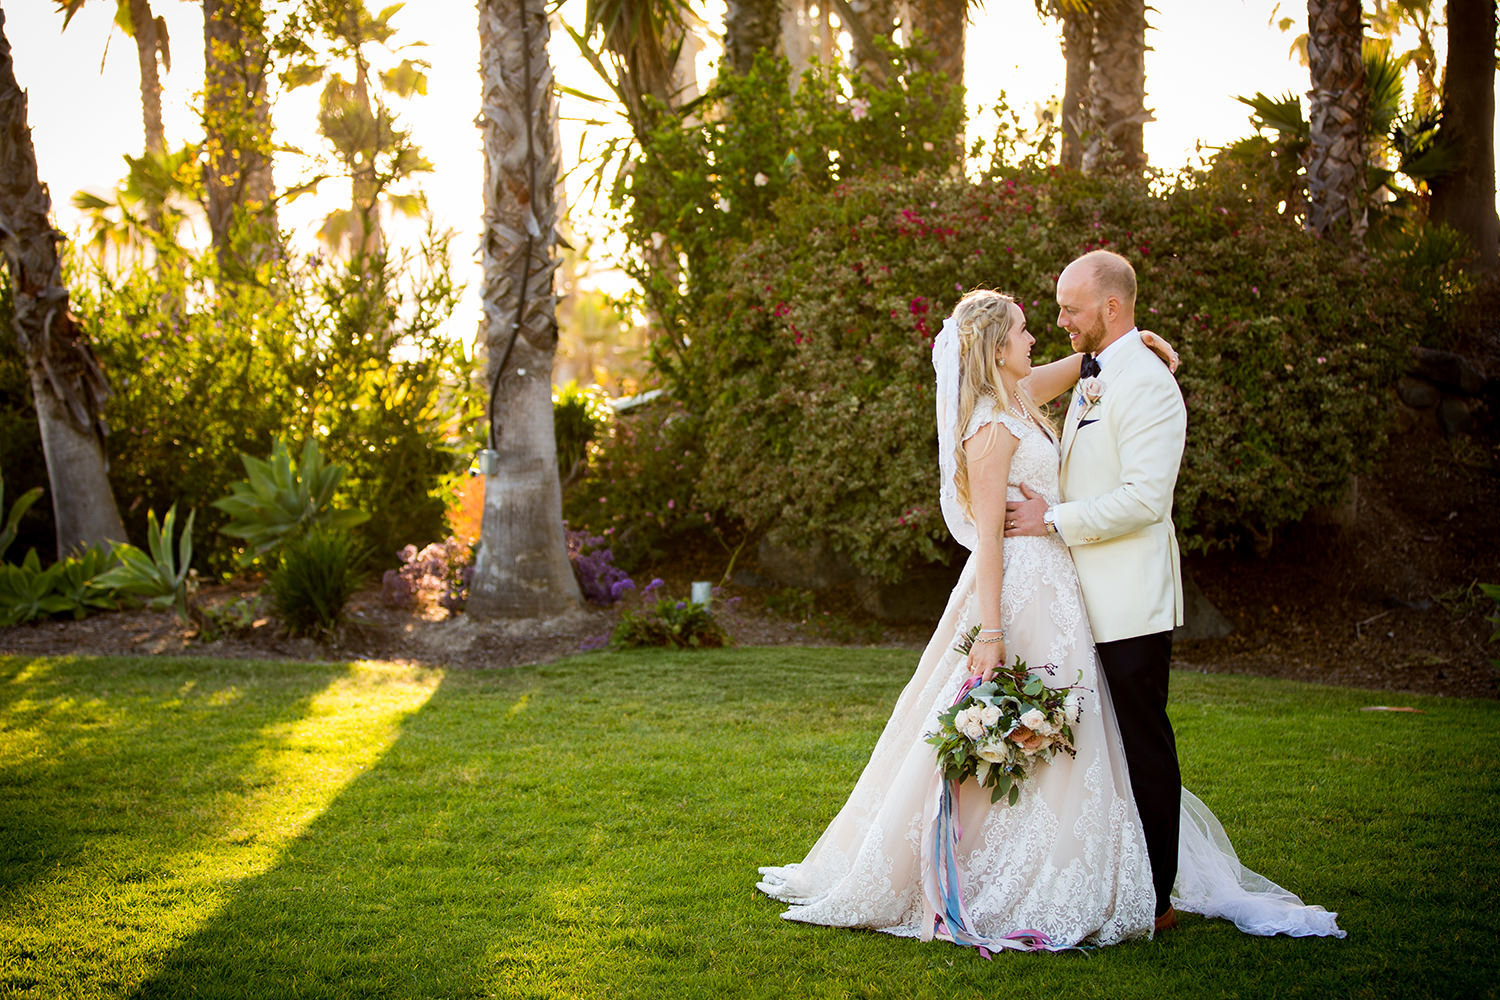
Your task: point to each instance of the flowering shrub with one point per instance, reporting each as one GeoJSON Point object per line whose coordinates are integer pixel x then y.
{"type": "Point", "coordinates": [601, 581]}
{"type": "Point", "coordinates": [810, 364]}
{"type": "Point", "coordinates": [663, 621]}
{"type": "Point", "coordinates": [438, 574]}
{"type": "Point", "coordinates": [641, 490]}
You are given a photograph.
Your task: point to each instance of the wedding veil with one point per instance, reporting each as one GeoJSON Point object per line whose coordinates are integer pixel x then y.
{"type": "Point", "coordinates": [946, 359]}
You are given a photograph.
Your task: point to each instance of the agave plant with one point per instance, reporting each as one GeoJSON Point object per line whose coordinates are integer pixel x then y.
{"type": "Point", "coordinates": [21, 506]}
{"type": "Point", "coordinates": [27, 591]}
{"type": "Point", "coordinates": [161, 578]}
{"type": "Point", "coordinates": [278, 500]}
{"type": "Point", "coordinates": [78, 581]}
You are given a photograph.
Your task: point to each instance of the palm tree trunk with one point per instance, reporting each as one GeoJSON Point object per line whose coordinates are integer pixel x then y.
{"type": "Point", "coordinates": [366, 237]}
{"type": "Point", "coordinates": [522, 569]}
{"type": "Point", "coordinates": [67, 385]}
{"type": "Point", "coordinates": [751, 26]}
{"type": "Point", "coordinates": [237, 134]}
{"type": "Point", "coordinates": [149, 44]}
{"type": "Point", "coordinates": [868, 23]}
{"type": "Point", "coordinates": [150, 40]}
{"type": "Point", "coordinates": [941, 24]}
{"type": "Point", "coordinates": [1335, 159]}
{"type": "Point", "coordinates": [1465, 199]}
{"type": "Point", "coordinates": [1117, 95]}
{"type": "Point", "coordinates": [1078, 53]}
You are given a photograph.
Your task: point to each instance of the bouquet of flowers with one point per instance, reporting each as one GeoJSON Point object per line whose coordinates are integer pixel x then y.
{"type": "Point", "coordinates": [998, 731]}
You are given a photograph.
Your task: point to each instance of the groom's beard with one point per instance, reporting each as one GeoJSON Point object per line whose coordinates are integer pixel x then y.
{"type": "Point", "coordinates": [1091, 338]}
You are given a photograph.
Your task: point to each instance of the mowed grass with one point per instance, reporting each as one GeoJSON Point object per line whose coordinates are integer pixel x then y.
{"type": "Point", "coordinates": [591, 828]}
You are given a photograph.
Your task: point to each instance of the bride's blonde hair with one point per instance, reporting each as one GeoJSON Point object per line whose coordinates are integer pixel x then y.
{"type": "Point", "coordinates": [984, 319]}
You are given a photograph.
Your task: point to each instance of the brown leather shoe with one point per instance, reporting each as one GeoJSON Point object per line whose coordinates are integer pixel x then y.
{"type": "Point", "coordinates": [1166, 921]}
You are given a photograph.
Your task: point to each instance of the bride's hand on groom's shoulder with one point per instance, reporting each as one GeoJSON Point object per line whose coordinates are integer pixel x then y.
{"type": "Point", "coordinates": [1161, 349]}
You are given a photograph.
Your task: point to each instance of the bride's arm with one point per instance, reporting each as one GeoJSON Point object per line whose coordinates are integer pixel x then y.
{"type": "Point", "coordinates": [1047, 382]}
{"type": "Point", "coordinates": [989, 453]}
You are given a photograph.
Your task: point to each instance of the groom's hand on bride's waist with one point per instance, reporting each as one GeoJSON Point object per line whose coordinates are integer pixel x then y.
{"type": "Point", "coordinates": [1024, 517]}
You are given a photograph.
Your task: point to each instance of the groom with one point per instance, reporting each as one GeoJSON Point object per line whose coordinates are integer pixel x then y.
{"type": "Point", "coordinates": [1121, 447]}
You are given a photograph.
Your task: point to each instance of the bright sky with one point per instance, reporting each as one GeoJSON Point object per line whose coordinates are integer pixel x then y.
{"type": "Point", "coordinates": [1203, 53]}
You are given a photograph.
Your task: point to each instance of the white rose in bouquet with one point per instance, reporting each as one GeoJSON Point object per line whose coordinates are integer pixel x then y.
{"type": "Point", "coordinates": [970, 722]}
{"type": "Point", "coordinates": [990, 715]}
{"type": "Point", "coordinates": [1035, 721]}
{"type": "Point", "coordinates": [993, 751]}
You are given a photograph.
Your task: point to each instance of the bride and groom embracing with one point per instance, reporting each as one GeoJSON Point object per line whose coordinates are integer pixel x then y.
{"type": "Point", "coordinates": [1075, 565]}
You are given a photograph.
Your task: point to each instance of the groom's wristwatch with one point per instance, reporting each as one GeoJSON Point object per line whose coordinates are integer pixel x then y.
{"type": "Point", "coordinates": [1049, 519]}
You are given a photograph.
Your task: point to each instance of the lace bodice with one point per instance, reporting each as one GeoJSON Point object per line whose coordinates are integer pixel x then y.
{"type": "Point", "coordinates": [1036, 459]}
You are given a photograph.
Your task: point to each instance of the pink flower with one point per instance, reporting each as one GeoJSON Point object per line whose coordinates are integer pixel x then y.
{"type": "Point", "coordinates": [671, 504]}
{"type": "Point", "coordinates": [859, 109]}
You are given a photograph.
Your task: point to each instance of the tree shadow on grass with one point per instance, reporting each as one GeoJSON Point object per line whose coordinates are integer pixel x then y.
{"type": "Point", "coordinates": [102, 752]}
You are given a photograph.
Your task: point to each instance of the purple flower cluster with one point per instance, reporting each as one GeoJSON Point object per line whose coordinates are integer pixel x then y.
{"type": "Point", "coordinates": [439, 573]}
{"type": "Point", "coordinates": [601, 581]}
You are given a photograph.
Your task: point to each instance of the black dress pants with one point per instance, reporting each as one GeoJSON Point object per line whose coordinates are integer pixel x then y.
{"type": "Point", "coordinates": [1136, 671]}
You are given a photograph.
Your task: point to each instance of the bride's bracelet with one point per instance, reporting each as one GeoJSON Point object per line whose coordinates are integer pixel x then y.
{"type": "Point", "coordinates": [993, 638]}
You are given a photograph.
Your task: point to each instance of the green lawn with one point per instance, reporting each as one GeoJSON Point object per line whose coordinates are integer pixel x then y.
{"type": "Point", "coordinates": [591, 828]}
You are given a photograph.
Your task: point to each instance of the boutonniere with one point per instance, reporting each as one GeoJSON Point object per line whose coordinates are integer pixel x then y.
{"type": "Point", "coordinates": [1090, 392]}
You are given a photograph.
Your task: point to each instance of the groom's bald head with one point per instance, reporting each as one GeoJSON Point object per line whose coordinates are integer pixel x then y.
{"type": "Point", "coordinates": [1111, 275]}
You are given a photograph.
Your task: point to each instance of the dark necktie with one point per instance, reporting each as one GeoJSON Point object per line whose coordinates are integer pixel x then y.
{"type": "Point", "coordinates": [1089, 368]}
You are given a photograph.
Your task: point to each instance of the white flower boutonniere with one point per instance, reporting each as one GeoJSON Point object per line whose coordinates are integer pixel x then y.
{"type": "Point", "coordinates": [1090, 392]}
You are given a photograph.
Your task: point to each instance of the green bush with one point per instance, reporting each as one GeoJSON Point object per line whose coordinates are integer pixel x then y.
{"type": "Point", "coordinates": [810, 366]}
{"type": "Point", "coordinates": [12, 520]}
{"type": "Point", "coordinates": [351, 352]}
{"type": "Point", "coordinates": [73, 586]}
{"type": "Point", "coordinates": [580, 417]}
{"type": "Point", "coordinates": [641, 489]}
{"type": "Point", "coordinates": [664, 621]}
{"type": "Point", "coordinates": [315, 575]}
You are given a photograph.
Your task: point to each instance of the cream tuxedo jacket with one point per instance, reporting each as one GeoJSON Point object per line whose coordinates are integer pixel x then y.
{"type": "Point", "coordinates": [1119, 467]}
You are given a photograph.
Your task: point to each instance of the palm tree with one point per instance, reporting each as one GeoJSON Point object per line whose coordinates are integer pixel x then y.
{"type": "Point", "coordinates": [1117, 86]}
{"type": "Point", "coordinates": [521, 569]}
{"type": "Point", "coordinates": [237, 134]}
{"type": "Point", "coordinates": [153, 51]}
{"type": "Point", "coordinates": [1077, 19]}
{"type": "Point", "coordinates": [353, 117]}
{"type": "Point", "coordinates": [68, 388]}
{"type": "Point", "coordinates": [1465, 198]}
{"type": "Point", "coordinates": [1335, 159]}
{"type": "Point", "coordinates": [639, 54]}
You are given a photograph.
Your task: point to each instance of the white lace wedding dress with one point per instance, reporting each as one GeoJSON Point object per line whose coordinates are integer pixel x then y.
{"type": "Point", "coordinates": [1068, 860]}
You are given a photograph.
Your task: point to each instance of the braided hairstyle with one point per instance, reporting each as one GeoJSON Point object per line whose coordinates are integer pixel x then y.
{"type": "Point", "coordinates": [984, 318]}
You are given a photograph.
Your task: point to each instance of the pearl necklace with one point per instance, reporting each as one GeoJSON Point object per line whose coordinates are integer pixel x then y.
{"type": "Point", "coordinates": [994, 394]}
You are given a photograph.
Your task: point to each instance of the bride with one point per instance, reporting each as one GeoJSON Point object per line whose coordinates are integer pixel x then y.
{"type": "Point", "coordinates": [1066, 864]}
